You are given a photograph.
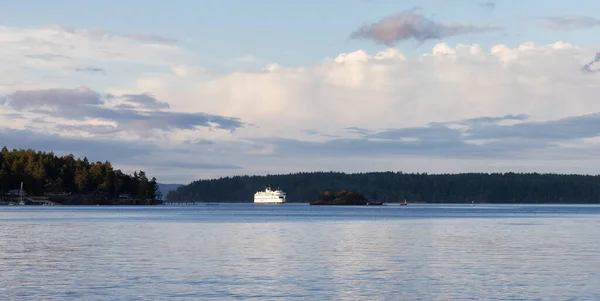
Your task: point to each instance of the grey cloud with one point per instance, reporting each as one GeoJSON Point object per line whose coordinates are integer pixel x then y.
{"type": "Point", "coordinates": [491, 5]}
{"type": "Point", "coordinates": [83, 104]}
{"type": "Point", "coordinates": [89, 128]}
{"type": "Point", "coordinates": [91, 70]}
{"type": "Point", "coordinates": [198, 165]}
{"type": "Point", "coordinates": [168, 120]}
{"type": "Point", "coordinates": [153, 159]}
{"type": "Point", "coordinates": [98, 33]}
{"type": "Point", "coordinates": [411, 25]}
{"type": "Point", "coordinates": [124, 106]}
{"type": "Point", "coordinates": [48, 56]}
{"type": "Point", "coordinates": [367, 147]}
{"type": "Point", "coordinates": [130, 119]}
{"type": "Point", "coordinates": [440, 131]}
{"type": "Point", "coordinates": [564, 23]}
{"type": "Point", "coordinates": [317, 133]}
{"type": "Point", "coordinates": [358, 130]}
{"type": "Point", "coordinates": [587, 68]}
{"type": "Point", "coordinates": [495, 141]}
{"type": "Point", "coordinates": [499, 141]}
{"type": "Point", "coordinates": [54, 98]}
{"type": "Point", "coordinates": [488, 128]}
{"type": "Point", "coordinates": [39, 120]}
{"type": "Point", "coordinates": [576, 127]}
{"type": "Point", "coordinates": [146, 101]}
{"type": "Point", "coordinates": [10, 85]}
{"type": "Point", "coordinates": [151, 38]}
{"type": "Point", "coordinates": [94, 149]}
{"type": "Point", "coordinates": [434, 132]}
{"type": "Point", "coordinates": [199, 141]}
{"type": "Point", "coordinates": [519, 117]}
{"type": "Point", "coordinates": [89, 32]}
{"type": "Point", "coordinates": [11, 115]}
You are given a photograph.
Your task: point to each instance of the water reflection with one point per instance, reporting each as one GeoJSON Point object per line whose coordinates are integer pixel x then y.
{"type": "Point", "coordinates": [290, 253]}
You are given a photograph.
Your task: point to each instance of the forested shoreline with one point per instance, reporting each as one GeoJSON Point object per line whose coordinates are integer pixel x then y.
{"type": "Point", "coordinates": [397, 186]}
{"type": "Point", "coordinates": [70, 180]}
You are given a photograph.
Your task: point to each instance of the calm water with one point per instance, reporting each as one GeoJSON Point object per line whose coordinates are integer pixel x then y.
{"type": "Point", "coordinates": [300, 252]}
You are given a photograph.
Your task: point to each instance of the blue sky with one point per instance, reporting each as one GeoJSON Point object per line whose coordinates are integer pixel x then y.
{"type": "Point", "coordinates": [252, 87]}
{"type": "Point", "coordinates": [293, 32]}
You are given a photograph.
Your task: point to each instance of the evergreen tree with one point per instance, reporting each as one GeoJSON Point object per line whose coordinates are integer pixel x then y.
{"type": "Point", "coordinates": [398, 186]}
{"type": "Point", "coordinates": [47, 174]}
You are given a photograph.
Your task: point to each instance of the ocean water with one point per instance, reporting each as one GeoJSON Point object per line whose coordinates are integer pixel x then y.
{"type": "Point", "coordinates": [300, 252]}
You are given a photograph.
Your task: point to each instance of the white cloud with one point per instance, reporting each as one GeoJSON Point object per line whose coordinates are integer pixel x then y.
{"type": "Point", "coordinates": [186, 71]}
{"type": "Point", "coordinates": [388, 90]}
{"type": "Point", "coordinates": [58, 54]}
{"type": "Point", "coordinates": [62, 44]}
{"type": "Point", "coordinates": [292, 114]}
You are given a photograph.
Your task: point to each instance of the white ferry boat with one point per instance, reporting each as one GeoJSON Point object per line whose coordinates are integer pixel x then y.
{"type": "Point", "coordinates": [269, 196]}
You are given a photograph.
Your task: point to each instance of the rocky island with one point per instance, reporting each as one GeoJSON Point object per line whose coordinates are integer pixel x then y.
{"type": "Point", "coordinates": [343, 197]}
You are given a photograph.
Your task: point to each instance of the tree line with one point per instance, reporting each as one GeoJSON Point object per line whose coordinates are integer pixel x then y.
{"type": "Point", "coordinates": [398, 186]}
{"type": "Point", "coordinates": [75, 180]}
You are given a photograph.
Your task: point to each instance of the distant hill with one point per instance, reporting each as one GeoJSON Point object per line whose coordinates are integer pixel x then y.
{"type": "Point", "coordinates": [397, 186]}
{"type": "Point", "coordinates": [165, 188]}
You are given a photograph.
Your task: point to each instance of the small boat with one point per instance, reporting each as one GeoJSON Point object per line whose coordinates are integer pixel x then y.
{"type": "Point", "coordinates": [212, 204]}
{"type": "Point", "coordinates": [405, 204]}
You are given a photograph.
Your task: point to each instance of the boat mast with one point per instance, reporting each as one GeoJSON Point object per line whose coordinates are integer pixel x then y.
{"type": "Point", "coordinates": [21, 192]}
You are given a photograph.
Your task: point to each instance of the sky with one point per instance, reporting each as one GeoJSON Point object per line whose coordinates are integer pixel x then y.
{"type": "Point", "coordinates": [188, 90]}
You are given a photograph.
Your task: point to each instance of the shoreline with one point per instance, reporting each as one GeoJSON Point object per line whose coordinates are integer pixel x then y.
{"type": "Point", "coordinates": [393, 204]}
{"type": "Point", "coordinates": [5, 204]}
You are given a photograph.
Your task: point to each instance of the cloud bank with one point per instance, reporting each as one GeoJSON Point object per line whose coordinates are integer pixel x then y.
{"type": "Point", "coordinates": [453, 108]}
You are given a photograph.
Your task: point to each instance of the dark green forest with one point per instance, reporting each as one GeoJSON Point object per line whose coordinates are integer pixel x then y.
{"type": "Point", "coordinates": [73, 181]}
{"type": "Point", "coordinates": [397, 186]}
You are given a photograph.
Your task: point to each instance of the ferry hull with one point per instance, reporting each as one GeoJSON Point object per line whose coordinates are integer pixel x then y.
{"type": "Point", "coordinates": [270, 197]}
{"type": "Point", "coordinates": [267, 201]}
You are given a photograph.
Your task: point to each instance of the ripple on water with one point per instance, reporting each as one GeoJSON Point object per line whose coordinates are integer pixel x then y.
{"type": "Point", "coordinates": [300, 253]}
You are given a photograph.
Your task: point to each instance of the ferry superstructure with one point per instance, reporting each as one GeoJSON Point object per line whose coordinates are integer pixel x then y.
{"type": "Point", "coordinates": [269, 196]}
